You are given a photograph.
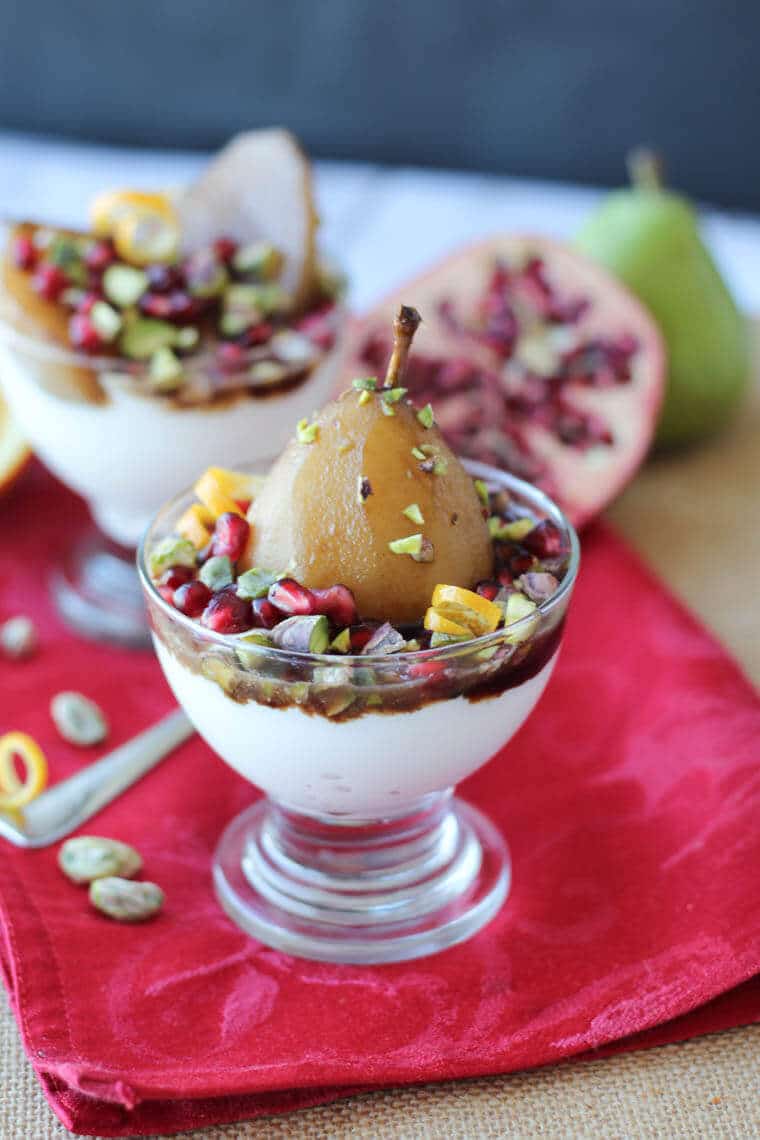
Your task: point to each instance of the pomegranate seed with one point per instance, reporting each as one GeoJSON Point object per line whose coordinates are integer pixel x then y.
{"type": "Point", "coordinates": [291, 597]}
{"type": "Point", "coordinates": [230, 536]}
{"type": "Point", "coordinates": [518, 564]}
{"type": "Point", "coordinates": [432, 671]}
{"type": "Point", "coordinates": [360, 635]}
{"type": "Point", "coordinates": [99, 256]}
{"type": "Point", "coordinates": [317, 328]}
{"type": "Point", "coordinates": [85, 305]}
{"type": "Point", "coordinates": [227, 613]}
{"type": "Point", "coordinates": [164, 278]}
{"type": "Point", "coordinates": [183, 307]}
{"type": "Point", "coordinates": [192, 598]}
{"type": "Point", "coordinates": [255, 334]}
{"type": "Point", "coordinates": [83, 334]}
{"type": "Point", "coordinates": [488, 589]}
{"type": "Point", "coordinates": [337, 603]}
{"type": "Point", "coordinates": [265, 615]}
{"type": "Point", "coordinates": [225, 248]}
{"type": "Point", "coordinates": [175, 577]}
{"type": "Point", "coordinates": [24, 252]}
{"type": "Point", "coordinates": [232, 357]}
{"type": "Point", "coordinates": [156, 305]}
{"type": "Point", "coordinates": [50, 281]}
{"type": "Point", "coordinates": [505, 578]}
{"type": "Point", "coordinates": [545, 540]}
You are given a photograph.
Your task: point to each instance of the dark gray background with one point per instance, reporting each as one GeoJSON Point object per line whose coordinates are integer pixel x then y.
{"type": "Point", "coordinates": [531, 87]}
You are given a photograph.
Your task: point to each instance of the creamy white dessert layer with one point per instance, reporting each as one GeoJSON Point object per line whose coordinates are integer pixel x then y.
{"type": "Point", "coordinates": [131, 454]}
{"type": "Point", "coordinates": [366, 767]}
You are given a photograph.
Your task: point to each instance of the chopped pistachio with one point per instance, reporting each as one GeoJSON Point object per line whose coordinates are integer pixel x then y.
{"type": "Point", "coordinates": [365, 384]}
{"type": "Point", "coordinates": [414, 514]}
{"type": "Point", "coordinates": [425, 416]}
{"type": "Point", "coordinates": [306, 432]}
{"type": "Point", "coordinates": [386, 409]}
{"type": "Point", "coordinates": [255, 583]}
{"type": "Point", "coordinates": [434, 465]}
{"type": "Point", "coordinates": [427, 449]}
{"type": "Point", "coordinates": [165, 370]}
{"type": "Point", "coordinates": [427, 553]}
{"type": "Point", "coordinates": [393, 395]}
{"type": "Point", "coordinates": [217, 572]}
{"type": "Point", "coordinates": [439, 639]}
{"type": "Point", "coordinates": [513, 531]}
{"type": "Point", "coordinates": [412, 646]}
{"type": "Point", "coordinates": [364, 397]}
{"type": "Point", "coordinates": [364, 488]}
{"type": "Point", "coordinates": [417, 453]}
{"type": "Point", "coordinates": [412, 544]}
{"type": "Point", "coordinates": [517, 608]}
{"type": "Point", "coordinates": [482, 492]}
{"type": "Point", "coordinates": [342, 642]}
{"type": "Point", "coordinates": [170, 551]}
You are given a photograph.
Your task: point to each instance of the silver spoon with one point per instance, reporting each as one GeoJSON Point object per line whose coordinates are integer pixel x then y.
{"type": "Point", "coordinates": [63, 807]}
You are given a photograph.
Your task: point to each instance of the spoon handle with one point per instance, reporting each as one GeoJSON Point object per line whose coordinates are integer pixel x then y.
{"type": "Point", "coordinates": [66, 805]}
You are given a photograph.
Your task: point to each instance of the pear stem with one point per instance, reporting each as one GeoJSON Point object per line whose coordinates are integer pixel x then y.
{"type": "Point", "coordinates": [645, 169]}
{"type": "Point", "coordinates": [405, 325]}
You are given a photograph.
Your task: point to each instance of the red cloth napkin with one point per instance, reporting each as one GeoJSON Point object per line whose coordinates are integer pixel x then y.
{"type": "Point", "coordinates": [630, 800]}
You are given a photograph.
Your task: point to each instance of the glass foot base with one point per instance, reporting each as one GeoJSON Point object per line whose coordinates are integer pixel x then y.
{"type": "Point", "coordinates": [369, 892]}
{"type": "Point", "coordinates": [97, 592]}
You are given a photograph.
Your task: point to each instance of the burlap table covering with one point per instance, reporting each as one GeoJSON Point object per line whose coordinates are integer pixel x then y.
{"type": "Point", "coordinates": [694, 517]}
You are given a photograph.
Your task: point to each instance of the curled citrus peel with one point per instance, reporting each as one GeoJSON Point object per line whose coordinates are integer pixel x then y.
{"type": "Point", "coordinates": [144, 227]}
{"type": "Point", "coordinates": [14, 791]}
{"type": "Point", "coordinates": [461, 613]}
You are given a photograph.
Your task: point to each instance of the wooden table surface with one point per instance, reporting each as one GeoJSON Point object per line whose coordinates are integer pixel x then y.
{"type": "Point", "coordinates": [695, 518]}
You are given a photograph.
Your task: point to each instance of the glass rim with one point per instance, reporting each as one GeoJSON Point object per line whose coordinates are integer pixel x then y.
{"type": "Point", "coordinates": [535, 498]}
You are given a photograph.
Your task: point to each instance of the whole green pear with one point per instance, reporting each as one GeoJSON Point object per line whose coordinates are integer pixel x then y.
{"type": "Point", "coordinates": [649, 238]}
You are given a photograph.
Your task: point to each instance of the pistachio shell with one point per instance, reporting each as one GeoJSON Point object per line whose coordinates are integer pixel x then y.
{"type": "Point", "coordinates": [79, 720]}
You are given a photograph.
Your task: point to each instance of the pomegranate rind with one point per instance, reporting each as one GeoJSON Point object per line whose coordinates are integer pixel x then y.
{"type": "Point", "coordinates": [583, 482]}
{"type": "Point", "coordinates": [15, 453]}
{"type": "Point", "coordinates": [259, 187]}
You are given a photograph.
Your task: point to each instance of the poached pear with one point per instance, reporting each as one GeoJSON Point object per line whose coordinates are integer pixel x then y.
{"type": "Point", "coordinates": [370, 496]}
{"type": "Point", "coordinates": [649, 238]}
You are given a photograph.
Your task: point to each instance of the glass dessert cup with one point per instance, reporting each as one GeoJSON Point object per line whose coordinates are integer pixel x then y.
{"type": "Point", "coordinates": [126, 450]}
{"type": "Point", "coordinates": [360, 852]}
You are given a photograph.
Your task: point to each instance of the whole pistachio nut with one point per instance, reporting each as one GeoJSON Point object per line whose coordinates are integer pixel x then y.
{"type": "Point", "coordinates": [126, 900]}
{"type": "Point", "coordinates": [18, 638]}
{"type": "Point", "coordinates": [89, 857]}
{"type": "Point", "coordinates": [78, 719]}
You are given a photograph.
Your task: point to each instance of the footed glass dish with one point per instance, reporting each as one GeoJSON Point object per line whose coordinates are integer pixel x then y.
{"type": "Point", "coordinates": [360, 851]}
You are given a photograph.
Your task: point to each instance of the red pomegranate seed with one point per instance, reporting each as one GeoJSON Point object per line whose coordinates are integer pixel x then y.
{"type": "Point", "coordinates": [50, 281]}
{"type": "Point", "coordinates": [175, 577]}
{"type": "Point", "coordinates": [291, 597]}
{"type": "Point", "coordinates": [227, 613]}
{"type": "Point", "coordinates": [316, 326]}
{"type": "Point", "coordinates": [265, 615]}
{"type": "Point", "coordinates": [360, 635]}
{"type": "Point", "coordinates": [24, 252]}
{"type": "Point", "coordinates": [505, 578]}
{"type": "Point", "coordinates": [518, 564]}
{"type": "Point", "coordinates": [164, 278]}
{"type": "Point", "coordinates": [488, 589]}
{"type": "Point", "coordinates": [83, 334]}
{"type": "Point", "coordinates": [156, 305]}
{"type": "Point", "coordinates": [232, 357]}
{"type": "Point", "coordinates": [230, 536]}
{"type": "Point", "coordinates": [337, 603]}
{"type": "Point", "coordinates": [192, 598]}
{"type": "Point", "coordinates": [183, 307]}
{"type": "Point", "coordinates": [99, 256]}
{"type": "Point", "coordinates": [255, 334]}
{"type": "Point", "coordinates": [545, 540]}
{"type": "Point", "coordinates": [225, 248]}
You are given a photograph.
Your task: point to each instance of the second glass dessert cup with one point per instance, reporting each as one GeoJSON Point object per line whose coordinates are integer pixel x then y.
{"type": "Point", "coordinates": [360, 852]}
{"type": "Point", "coordinates": [125, 450]}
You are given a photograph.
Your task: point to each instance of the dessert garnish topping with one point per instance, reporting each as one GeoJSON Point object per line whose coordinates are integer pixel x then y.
{"type": "Point", "coordinates": [414, 514]}
{"type": "Point", "coordinates": [426, 416]}
{"type": "Point", "coordinates": [15, 792]}
{"type": "Point", "coordinates": [89, 857]}
{"type": "Point", "coordinates": [126, 900]}
{"type": "Point", "coordinates": [306, 432]}
{"type": "Point", "coordinates": [78, 719]}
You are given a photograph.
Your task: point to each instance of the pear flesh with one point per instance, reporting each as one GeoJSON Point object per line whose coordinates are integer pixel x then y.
{"type": "Point", "coordinates": [329, 509]}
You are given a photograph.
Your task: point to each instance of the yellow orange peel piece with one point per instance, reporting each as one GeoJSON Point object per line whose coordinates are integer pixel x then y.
{"type": "Point", "coordinates": [14, 791]}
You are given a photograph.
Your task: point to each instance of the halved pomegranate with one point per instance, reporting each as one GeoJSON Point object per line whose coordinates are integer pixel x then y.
{"type": "Point", "coordinates": [535, 360]}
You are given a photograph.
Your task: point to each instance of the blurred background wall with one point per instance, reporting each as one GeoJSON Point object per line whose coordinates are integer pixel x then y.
{"type": "Point", "coordinates": [552, 89]}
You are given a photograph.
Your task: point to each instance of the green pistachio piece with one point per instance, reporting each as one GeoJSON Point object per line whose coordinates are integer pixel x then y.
{"type": "Point", "coordinates": [126, 900]}
{"type": "Point", "coordinates": [513, 531]}
{"type": "Point", "coordinates": [171, 551]}
{"type": "Point", "coordinates": [425, 416]}
{"type": "Point", "coordinates": [364, 398]}
{"type": "Point", "coordinates": [412, 544]}
{"type": "Point", "coordinates": [482, 492]}
{"type": "Point", "coordinates": [165, 370]}
{"type": "Point", "coordinates": [517, 609]}
{"type": "Point", "coordinates": [393, 395]}
{"type": "Point", "coordinates": [248, 651]}
{"type": "Point", "coordinates": [217, 572]}
{"type": "Point", "coordinates": [418, 453]}
{"type": "Point", "coordinates": [302, 634]}
{"type": "Point", "coordinates": [258, 259]}
{"type": "Point", "coordinates": [306, 432]}
{"type": "Point", "coordinates": [439, 639]}
{"type": "Point", "coordinates": [124, 285]}
{"type": "Point", "coordinates": [414, 514]}
{"type": "Point", "coordinates": [365, 384]}
{"type": "Point", "coordinates": [255, 583]}
{"type": "Point", "coordinates": [105, 320]}
{"type": "Point", "coordinates": [89, 857]}
{"type": "Point", "coordinates": [387, 409]}
{"type": "Point", "coordinates": [342, 642]}
{"type": "Point", "coordinates": [220, 672]}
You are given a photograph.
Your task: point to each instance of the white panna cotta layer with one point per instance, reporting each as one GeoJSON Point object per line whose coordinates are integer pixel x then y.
{"type": "Point", "coordinates": [368, 767]}
{"type": "Point", "coordinates": [127, 456]}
